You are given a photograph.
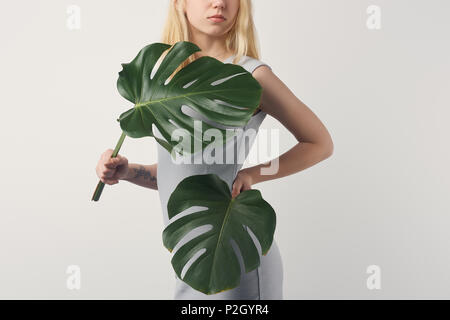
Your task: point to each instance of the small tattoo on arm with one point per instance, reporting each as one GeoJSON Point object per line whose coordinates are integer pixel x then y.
{"type": "Point", "coordinates": [141, 172]}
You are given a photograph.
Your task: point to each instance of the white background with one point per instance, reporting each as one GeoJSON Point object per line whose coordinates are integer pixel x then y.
{"type": "Point", "coordinates": [381, 199]}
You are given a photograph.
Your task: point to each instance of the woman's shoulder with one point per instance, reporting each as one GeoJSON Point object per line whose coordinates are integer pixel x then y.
{"type": "Point", "coordinates": [250, 63]}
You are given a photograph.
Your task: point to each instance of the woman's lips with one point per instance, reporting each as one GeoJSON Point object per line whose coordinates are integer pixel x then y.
{"type": "Point", "coordinates": [215, 19]}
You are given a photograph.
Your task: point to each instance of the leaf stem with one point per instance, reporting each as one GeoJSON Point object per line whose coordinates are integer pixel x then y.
{"type": "Point", "coordinates": [100, 184]}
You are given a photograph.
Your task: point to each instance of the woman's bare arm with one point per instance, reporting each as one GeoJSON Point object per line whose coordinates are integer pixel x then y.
{"type": "Point", "coordinates": [314, 141]}
{"type": "Point", "coordinates": [143, 175]}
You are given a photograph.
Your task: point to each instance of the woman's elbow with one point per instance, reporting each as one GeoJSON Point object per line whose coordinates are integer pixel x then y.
{"type": "Point", "coordinates": [328, 148]}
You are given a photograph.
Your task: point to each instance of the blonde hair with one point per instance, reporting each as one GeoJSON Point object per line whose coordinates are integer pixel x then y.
{"type": "Point", "coordinates": [241, 39]}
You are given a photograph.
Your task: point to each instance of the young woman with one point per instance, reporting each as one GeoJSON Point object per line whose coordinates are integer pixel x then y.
{"type": "Point", "coordinates": [224, 29]}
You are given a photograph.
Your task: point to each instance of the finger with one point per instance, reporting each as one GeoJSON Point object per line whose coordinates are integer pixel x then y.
{"type": "Point", "coordinates": [109, 165]}
{"type": "Point", "coordinates": [110, 181]}
{"type": "Point", "coordinates": [107, 154]}
{"type": "Point", "coordinates": [108, 173]}
{"type": "Point", "coordinates": [118, 160]}
{"type": "Point", "coordinates": [122, 160]}
{"type": "Point", "coordinates": [246, 186]}
{"type": "Point", "coordinates": [236, 188]}
{"type": "Point", "coordinates": [112, 163]}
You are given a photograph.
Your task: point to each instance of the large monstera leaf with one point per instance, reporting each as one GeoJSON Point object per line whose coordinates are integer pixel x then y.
{"type": "Point", "coordinates": [217, 269]}
{"type": "Point", "coordinates": [226, 94]}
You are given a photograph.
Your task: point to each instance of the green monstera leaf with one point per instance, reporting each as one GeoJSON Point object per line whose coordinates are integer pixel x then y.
{"type": "Point", "coordinates": [226, 94]}
{"type": "Point", "coordinates": [217, 268]}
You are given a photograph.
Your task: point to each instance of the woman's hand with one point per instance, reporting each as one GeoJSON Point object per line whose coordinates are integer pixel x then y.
{"type": "Point", "coordinates": [111, 170]}
{"type": "Point", "coordinates": [242, 182]}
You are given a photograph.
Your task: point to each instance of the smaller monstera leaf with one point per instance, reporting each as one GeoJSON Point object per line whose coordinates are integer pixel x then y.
{"type": "Point", "coordinates": [225, 94]}
{"type": "Point", "coordinates": [218, 268]}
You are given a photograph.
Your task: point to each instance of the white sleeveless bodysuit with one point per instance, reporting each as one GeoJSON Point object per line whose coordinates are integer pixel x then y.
{"type": "Point", "coordinates": [265, 282]}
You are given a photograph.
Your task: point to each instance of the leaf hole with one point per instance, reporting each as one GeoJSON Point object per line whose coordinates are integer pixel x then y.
{"type": "Point", "coordinates": [191, 261]}
{"type": "Point", "coordinates": [187, 211]}
{"type": "Point", "coordinates": [255, 239]}
{"type": "Point", "coordinates": [189, 84]}
{"type": "Point", "coordinates": [156, 66]}
{"type": "Point", "coordinates": [217, 82]}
